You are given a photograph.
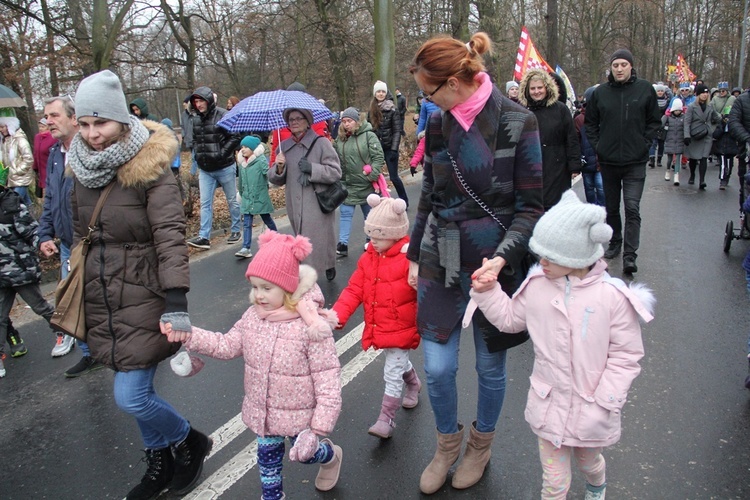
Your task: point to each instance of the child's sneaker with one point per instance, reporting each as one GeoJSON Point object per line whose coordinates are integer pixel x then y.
{"type": "Point", "coordinates": [595, 492]}
{"type": "Point", "coordinates": [244, 253]}
{"type": "Point", "coordinates": [2, 365]}
{"type": "Point", "coordinates": [17, 347]}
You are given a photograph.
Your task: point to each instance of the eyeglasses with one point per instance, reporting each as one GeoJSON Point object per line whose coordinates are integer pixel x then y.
{"type": "Point", "coordinates": [428, 97]}
{"type": "Point", "coordinates": [297, 119]}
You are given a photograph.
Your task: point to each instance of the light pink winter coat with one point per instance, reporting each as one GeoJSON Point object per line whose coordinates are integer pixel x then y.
{"type": "Point", "coordinates": [292, 372]}
{"type": "Point", "coordinates": [587, 344]}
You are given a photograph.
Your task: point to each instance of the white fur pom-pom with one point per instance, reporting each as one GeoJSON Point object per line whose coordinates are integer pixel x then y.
{"type": "Point", "coordinates": [600, 232]}
{"type": "Point", "coordinates": [186, 365]}
{"type": "Point", "coordinates": [373, 200]}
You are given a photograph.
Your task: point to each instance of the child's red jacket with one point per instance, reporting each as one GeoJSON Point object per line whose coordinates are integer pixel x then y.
{"type": "Point", "coordinates": [380, 283]}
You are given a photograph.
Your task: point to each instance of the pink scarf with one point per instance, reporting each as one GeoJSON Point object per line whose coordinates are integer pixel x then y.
{"type": "Point", "coordinates": [465, 112]}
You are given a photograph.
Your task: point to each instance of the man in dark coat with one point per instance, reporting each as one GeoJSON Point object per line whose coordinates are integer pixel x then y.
{"type": "Point", "coordinates": [621, 122]}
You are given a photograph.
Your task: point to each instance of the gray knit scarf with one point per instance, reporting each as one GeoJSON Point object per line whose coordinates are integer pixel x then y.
{"type": "Point", "coordinates": [96, 169]}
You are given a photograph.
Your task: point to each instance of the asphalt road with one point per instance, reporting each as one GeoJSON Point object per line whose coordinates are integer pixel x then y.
{"type": "Point", "coordinates": [685, 428]}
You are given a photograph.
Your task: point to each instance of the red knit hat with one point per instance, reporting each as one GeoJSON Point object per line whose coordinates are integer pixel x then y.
{"type": "Point", "coordinates": [278, 258]}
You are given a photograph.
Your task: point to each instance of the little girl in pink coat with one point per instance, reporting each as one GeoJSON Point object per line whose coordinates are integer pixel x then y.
{"type": "Point", "coordinates": [292, 371]}
{"type": "Point", "coordinates": [587, 342]}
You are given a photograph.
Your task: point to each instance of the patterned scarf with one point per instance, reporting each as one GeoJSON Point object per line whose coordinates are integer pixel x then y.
{"type": "Point", "coordinates": [96, 169]}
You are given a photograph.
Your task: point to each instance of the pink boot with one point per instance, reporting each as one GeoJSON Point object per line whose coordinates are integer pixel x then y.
{"type": "Point", "coordinates": [383, 428]}
{"type": "Point", "coordinates": [413, 386]}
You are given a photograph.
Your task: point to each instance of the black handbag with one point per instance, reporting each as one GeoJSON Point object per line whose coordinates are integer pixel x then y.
{"type": "Point", "coordinates": [698, 130]}
{"type": "Point", "coordinates": [332, 195]}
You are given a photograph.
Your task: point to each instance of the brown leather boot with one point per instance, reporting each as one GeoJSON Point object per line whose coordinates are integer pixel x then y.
{"type": "Point", "coordinates": [476, 456]}
{"type": "Point", "coordinates": [448, 449]}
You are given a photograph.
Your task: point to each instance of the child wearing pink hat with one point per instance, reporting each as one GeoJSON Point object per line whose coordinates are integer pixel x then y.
{"type": "Point", "coordinates": [381, 284]}
{"type": "Point", "coordinates": [292, 371]}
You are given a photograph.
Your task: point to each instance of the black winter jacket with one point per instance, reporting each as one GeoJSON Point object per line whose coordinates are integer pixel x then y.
{"type": "Point", "coordinates": [214, 146]}
{"type": "Point", "coordinates": [739, 118]}
{"type": "Point", "coordinates": [389, 131]}
{"type": "Point", "coordinates": [622, 120]}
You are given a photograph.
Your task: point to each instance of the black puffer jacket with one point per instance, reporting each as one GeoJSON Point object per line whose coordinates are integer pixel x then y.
{"type": "Point", "coordinates": [739, 118]}
{"type": "Point", "coordinates": [214, 147]}
{"type": "Point", "coordinates": [389, 131]}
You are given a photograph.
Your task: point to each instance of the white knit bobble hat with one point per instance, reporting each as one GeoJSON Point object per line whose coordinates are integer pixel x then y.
{"type": "Point", "coordinates": [572, 233]}
{"type": "Point", "coordinates": [379, 85]}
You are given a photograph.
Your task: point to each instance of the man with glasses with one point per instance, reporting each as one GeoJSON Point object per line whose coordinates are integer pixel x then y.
{"type": "Point", "coordinates": [722, 102]}
{"type": "Point", "coordinates": [214, 149]}
{"type": "Point", "coordinates": [621, 122]}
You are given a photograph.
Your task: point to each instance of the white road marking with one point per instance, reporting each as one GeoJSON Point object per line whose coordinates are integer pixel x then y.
{"type": "Point", "coordinates": [236, 467]}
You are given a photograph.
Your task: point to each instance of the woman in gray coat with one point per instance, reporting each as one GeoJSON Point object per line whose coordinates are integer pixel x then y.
{"type": "Point", "coordinates": [301, 174]}
{"type": "Point", "coordinates": [698, 118]}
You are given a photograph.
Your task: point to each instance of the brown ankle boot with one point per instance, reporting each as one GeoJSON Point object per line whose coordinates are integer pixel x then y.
{"type": "Point", "coordinates": [448, 449]}
{"type": "Point", "coordinates": [476, 456]}
{"type": "Point", "coordinates": [328, 474]}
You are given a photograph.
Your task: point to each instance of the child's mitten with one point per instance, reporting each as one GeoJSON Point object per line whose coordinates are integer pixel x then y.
{"type": "Point", "coordinates": [186, 364]}
{"type": "Point", "coordinates": [304, 447]}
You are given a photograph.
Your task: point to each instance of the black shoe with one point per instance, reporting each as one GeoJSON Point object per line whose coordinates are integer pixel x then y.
{"type": "Point", "coordinates": [159, 473]}
{"type": "Point", "coordinates": [658, 164]}
{"type": "Point", "coordinates": [85, 365]}
{"type": "Point", "coordinates": [233, 238]}
{"type": "Point", "coordinates": [651, 162]}
{"type": "Point", "coordinates": [188, 461]}
{"type": "Point", "coordinates": [199, 242]}
{"type": "Point", "coordinates": [342, 249]}
{"type": "Point", "coordinates": [691, 180]}
{"type": "Point", "coordinates": [628, 265]}
{"type": "Point", "coordinates": [17, 347]}
{"type": "Point", "coordinates": [613, 250]}
{"type": "Point", "coordinates": [331, 274]}
{"type": "Point", "coordinates": [702, 186]}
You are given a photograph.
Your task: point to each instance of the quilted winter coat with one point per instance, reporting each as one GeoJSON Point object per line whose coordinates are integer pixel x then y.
{"type": "Point", "coordinates": [16, 154]}
{"type": "Point", "coordinates": [137, 256]}
{"type": "Point", "coordinates": [587, 345]}
{"type": "Point", "coordinates": [253, 183]}
{"type": "Point", "coordinates": [292, 371]}
{"type": "Point", "coordinates": [380, 283]}
{"type": "Point", "coordinates": [360, 149]}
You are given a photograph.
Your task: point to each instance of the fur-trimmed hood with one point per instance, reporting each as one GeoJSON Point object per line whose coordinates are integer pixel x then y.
{"type": "Point", "coordinates": [152, 160]}
{"type": "Point", "coordinates": [524, 97]}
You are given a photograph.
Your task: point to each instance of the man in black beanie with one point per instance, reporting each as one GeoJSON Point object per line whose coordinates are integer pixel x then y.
{"type": "Point", "coordinates": [621, 122]}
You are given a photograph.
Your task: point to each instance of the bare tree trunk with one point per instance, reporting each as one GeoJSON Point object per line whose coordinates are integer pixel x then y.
{"type": "Point", "coordinates": [553, 57]}
{"type": "Point", "coordinates": [385, 43]}
{"type": "Point", "coordinates": [460, 19]}
{"type": "Point", "coordinates": [51, 59]}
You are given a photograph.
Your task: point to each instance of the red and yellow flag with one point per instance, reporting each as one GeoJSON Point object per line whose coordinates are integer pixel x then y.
{"type": "Point", "coordinates": [683, 70]}
{"type": "Point", "coordinates": [528, 57]}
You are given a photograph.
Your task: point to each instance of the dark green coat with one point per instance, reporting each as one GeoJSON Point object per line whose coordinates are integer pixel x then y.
{"type": "Point", "coordinates": [253, 186]}
{"type": "Point", "coordinates": [360, 149]}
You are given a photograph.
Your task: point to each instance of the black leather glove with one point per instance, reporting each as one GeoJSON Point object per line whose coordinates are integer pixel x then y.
{"type": "Point", "coordinates": [413, 170]}
{"type": "Point", "coordinates": [687, 141]}
{"type": "Point", "coordinates": [305, 166]}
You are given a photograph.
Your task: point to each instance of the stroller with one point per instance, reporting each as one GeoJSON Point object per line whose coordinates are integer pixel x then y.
{"type": "Point", "coordinates": [743, 230]}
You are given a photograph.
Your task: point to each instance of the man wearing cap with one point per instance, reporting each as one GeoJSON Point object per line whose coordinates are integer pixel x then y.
{"type": "Point", "coordinates": [214, 149]}
{"type": "Point", "coordinates": [621, 122]}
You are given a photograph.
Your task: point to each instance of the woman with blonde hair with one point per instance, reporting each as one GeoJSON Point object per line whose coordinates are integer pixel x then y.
{"type": "Point", "coordinates": [481, 197]}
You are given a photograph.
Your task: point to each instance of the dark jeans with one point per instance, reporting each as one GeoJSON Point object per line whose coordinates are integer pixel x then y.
{"type": "Point", "coordinates": [391, 159]}
{"type": "Point", "coordinates": [629, 181]}
{"type": "Point", "coordinates": [33, 297]}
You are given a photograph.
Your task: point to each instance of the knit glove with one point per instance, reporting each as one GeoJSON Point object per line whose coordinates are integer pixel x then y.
{"type": "Point", "coordinates": [186, 364]}
{"type": "Point", "coordinates": [180, 321]}
{"type": "Point", "coordinates": [304, 447]}
{"type": "Point", "coordinates": [305, 166]}
{"type": "Point", "coordinates": [687, 141]}
{"type": "Point", "coordinates": [413, 170]}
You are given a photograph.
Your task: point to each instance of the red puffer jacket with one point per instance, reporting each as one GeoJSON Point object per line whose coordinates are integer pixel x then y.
{"type": "Point", "coordinates": [380, 282]}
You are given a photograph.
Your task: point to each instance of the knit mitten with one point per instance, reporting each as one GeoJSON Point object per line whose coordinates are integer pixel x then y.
{"type": "Point", "coordinates": [304, 447]}
{"type": "Point", "coordinates": [180, 321]}
{"type": "Point", "coordinates": [186, 364]}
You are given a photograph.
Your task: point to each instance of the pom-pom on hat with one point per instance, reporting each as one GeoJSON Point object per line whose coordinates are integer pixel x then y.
{"type": "Point", "coordinates": [351, 113]}
{"type": "Point", "coordinates": [251, 142]}
{"type": "Point", "coordinates": [387, 219]}
{"type": "Point", "coordinates": [621, 54]}
{"type": "Point", "coordinates": [379, 85]}
{"type": "Point", "coordinates": [571, 233]}
{"type": "Point", "coordinates": [100, 95]}
{"type": "Point", "coordinates": [278, 259]}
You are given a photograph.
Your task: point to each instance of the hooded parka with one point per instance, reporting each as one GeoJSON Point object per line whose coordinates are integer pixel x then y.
{"type": "Point", "coordinates": [360, 149]}
{"type": "Point", "coordinates": [17, 156]}
{"type": "Point", "coordinates": [137, 256]}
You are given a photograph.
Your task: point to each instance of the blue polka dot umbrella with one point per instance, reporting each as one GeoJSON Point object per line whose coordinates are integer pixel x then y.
{"type": "Point", "coordinates": [263, 112]}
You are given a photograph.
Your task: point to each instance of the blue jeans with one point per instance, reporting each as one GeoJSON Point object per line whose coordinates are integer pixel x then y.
{"type": "Point", "coordinates": [629, 181]}
{"type": "Point", "coordinates": [593, 187]}
{"type": "Point", "coordinates": [208, 182]}
{"type": "Point", "coordinates": [23, 192]}
{"type": "Point", "coordinates": [194, 165]}
{"type": "Point", "coordinates": [247, 235]}
{"type": "Point", "coordinates": [441, 366]}
{"type": "Point", "coordinates": [160, 424]}
{"type": "Point", "coordinates": [346, 213]}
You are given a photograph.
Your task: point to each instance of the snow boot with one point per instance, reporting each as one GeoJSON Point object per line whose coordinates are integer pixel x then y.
{"type": "Point", "coordinates": [159, 472]}
{"type": "Point", "coordinates": [666, 175]}
{"type": "Point", "coordinates": [652, 161]}
{"type": "Point", "coordinates": [476, 456]}
{"type": "Point", "coordinates": [448, 449]}
{"type": "Point", "coordinates": [383, 428]}
{"type": "Point", "coordinates": [328, 475]}
{"type": "Point", "coordinates": [188, 457]}
{"type": "Point", "coordinates": [676, 179]}
{"type": "Point", "coordinates": [413, 386]}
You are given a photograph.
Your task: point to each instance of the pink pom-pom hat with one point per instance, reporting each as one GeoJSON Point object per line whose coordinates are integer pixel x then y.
{"type": "Point", "coordinates": [278, 259]}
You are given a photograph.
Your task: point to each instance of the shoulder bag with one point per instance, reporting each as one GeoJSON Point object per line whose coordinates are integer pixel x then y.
{"type": "Point", "coordinates": [70, 316]}
{"type": "Point", "coordinates": [333, 195]}
{"type": "Point", "coordinates": [698, 129]}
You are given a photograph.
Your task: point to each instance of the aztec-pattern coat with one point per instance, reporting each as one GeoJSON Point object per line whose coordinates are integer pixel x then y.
{"type": "Point", "coordinates": [500, 158]}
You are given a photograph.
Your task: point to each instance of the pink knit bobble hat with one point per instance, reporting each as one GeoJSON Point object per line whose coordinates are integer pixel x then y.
{"type": "Point", "coordinates": [278, 258]}
{"type": "Point", "coordinates": [387, 219]}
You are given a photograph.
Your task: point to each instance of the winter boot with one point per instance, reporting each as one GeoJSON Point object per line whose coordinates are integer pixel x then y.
{"type": "Point", "coordinates": [676, 178]}
{"type": "Point", "coordinates": [476, 456]}
{"type": "Point", "coordinates": [188, 456]}
{"type": "Point", "coordinates": [448, 449]}
{"type": "Point", "coordinates": [651, 161]}
{"type": "Point", "coordinates": [413, 386]}
{"type": "Point", "coordinates": [159, 472]}
{"type": "Point", "coordinates": [658, 162]}
{"type": "Point", "coordinates": [666, 175]}
{"type": "Point", "coordinates": [383, 428]}
{"type": "Point", "coordinates": [328, 475]}
{"type": "Point", "coordinates": [595, 492]}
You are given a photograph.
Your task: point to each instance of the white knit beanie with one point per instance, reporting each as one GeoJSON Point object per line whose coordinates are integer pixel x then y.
{"type": "Point", "coordinates": [387, 219]}
{"type": "Point", "coordinates": [572, 233]}
{"type": "Point", "coordinates": [379, 85]}
{"type": "Point", "coordinates": [100, 95]}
